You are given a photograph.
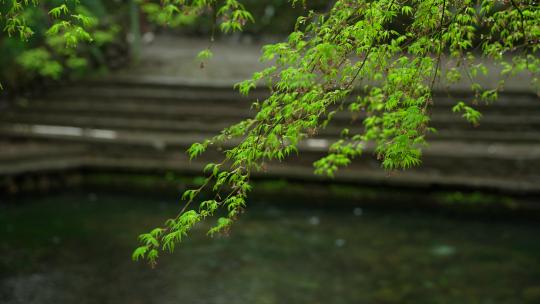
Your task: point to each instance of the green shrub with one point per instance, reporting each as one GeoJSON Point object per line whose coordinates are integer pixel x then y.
{"type": "Point", "coordinates": [53, 39]}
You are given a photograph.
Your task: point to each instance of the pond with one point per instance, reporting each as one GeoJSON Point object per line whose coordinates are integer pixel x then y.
{"type": "Point", "coordinates": [76, 248]}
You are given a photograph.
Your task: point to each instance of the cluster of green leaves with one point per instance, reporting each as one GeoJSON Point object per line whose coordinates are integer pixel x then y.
{"type": "Point", "coordinates": [273, 16]}
{"type": "Point", "coordinates": [231, 15]}
{"type": "Point", "coordinates": [15, 21]}
{"type": "Point", "coordinates": [52, 33]}
{"type": "Point", "coordinates": [391, 53]}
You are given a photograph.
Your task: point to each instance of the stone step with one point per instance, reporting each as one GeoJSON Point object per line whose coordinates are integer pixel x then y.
{"type": "Point", "coordinates": [139, 109]}
{"type": "Point", "coordinates": [148, 126]}
{"type": "Point", "coordinates": [28, 150]}
{"type": "Point", "coordinates": [499, 158]}
{"type": "Point", "coordinates": [24, 156]}
{"type": "Point", "coordinates": [121, 139]}
{"type": "Point", "coordinates": [89, 91]}
{"type": "Point", "coordinates": [121, 123]}
{"type": "Point", "coordinates": [182, 93]}
{"type": "Point", "coordinates": [503, 166]}
{"type": "Point", "coordinates": [489, 136]}
{"type": "Point", "coordinates": [414, 178]}
{"type": "Point", "coordinates": [153, 105]}
{"type": "Point", "coordinates": [457, 158]}
{"type": "Point", "coordinates": [42, 165]}
{"type": "Point", "coordinates": [237, 108]}
{"type": "Point", "coordinates": [215, 121]}
{"type": "Point", "coordinates": [204, 130]}
{"type": "Point", "coordinates": [420, 178]}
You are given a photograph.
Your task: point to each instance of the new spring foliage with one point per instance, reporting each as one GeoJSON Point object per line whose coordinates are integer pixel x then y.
{"type": "Point", "coordinates": [391, 52]}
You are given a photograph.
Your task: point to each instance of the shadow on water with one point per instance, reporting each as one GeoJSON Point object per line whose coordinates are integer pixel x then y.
{"type": "Point", "coordinates": [76, 247]}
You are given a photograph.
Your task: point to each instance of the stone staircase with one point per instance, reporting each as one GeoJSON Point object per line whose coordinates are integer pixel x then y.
{"type": "Point", "coordinates": [122, 124]}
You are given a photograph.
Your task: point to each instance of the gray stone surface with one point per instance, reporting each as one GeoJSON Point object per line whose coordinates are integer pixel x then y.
{"type": "Point", "coordinates": [172, 60]}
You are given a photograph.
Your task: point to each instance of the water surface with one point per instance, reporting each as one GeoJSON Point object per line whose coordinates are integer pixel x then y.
{"type": "Point", "coordinates": [76, 247]}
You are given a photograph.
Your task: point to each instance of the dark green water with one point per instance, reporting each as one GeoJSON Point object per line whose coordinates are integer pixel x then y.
{"type": "Point", "coordinates": [75, 248]}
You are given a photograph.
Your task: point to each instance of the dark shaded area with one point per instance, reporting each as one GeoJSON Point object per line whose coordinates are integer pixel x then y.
{"type": "Point", "coordinates": [75, 247]}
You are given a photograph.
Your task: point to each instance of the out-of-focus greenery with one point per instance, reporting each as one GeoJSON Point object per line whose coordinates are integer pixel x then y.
{"type": "Point", "coordinates": [277, 16]}
{"type": "Point", "coordinates": [274, 17]}
{"type": "Point", "coordinates": [53, 39]}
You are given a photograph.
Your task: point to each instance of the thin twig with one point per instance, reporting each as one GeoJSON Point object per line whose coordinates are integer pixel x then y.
{"type": "Point", "coordinates": [440, 45]}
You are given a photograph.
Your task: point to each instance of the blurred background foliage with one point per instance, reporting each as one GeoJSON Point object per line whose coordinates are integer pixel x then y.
{"type": "Point", "coordinates": [272, 17]}
{"type": "Point", "coordinates": [45, 57]}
